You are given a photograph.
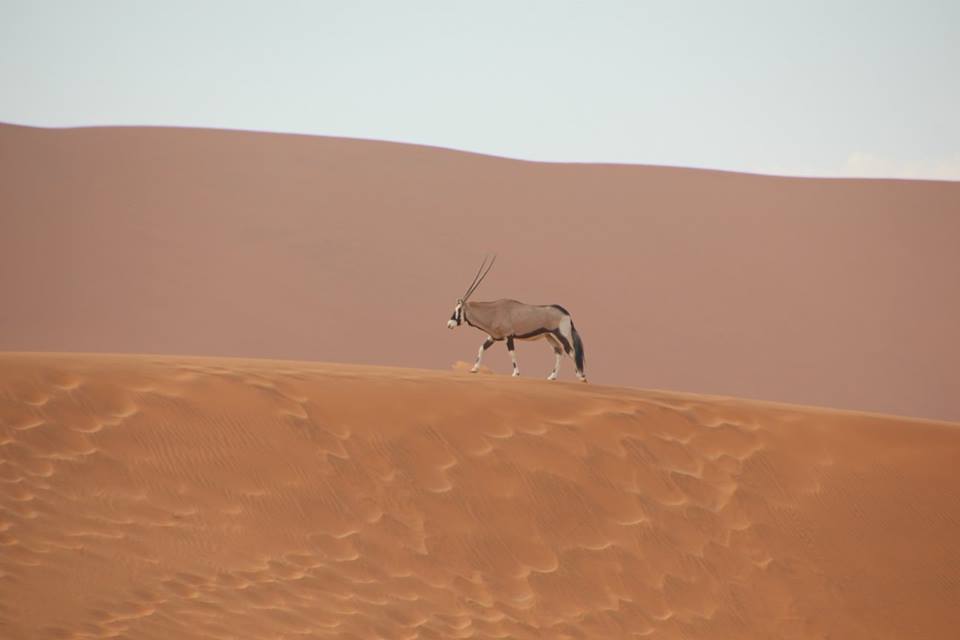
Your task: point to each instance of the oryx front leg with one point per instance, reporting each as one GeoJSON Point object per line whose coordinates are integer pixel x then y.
{"type": "Point", "coordinates": [486, 345]}
{"type": "Point", "coordinates": [558, 352]}
{"type": "Point", "coordinates": [513, 356]}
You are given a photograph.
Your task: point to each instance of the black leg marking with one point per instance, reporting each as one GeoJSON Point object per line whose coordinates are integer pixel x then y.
{"type": "Point", "coordinates": [513, 355]}
{"type": "Point", "coordinates": [486, 345]}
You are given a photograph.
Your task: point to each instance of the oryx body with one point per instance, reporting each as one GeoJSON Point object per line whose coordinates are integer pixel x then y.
{"type": "Point", "coordinates": [511, 320]}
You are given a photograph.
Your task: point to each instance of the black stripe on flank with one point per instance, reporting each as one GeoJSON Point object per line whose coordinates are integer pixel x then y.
{"type": "Point", "coordinates": [539, 332]}
{"type": "Point", "coordinates": [533, 334]}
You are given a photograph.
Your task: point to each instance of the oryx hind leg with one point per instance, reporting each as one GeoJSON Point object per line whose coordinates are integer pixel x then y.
{"type": "Point", "coordinates": [486, 345]}
{"type": "Point", "coordinates": [558, 352]}
{"type": "Point", "coordinates": [564, 335]}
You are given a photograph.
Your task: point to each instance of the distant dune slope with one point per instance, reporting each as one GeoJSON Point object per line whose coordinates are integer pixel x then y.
{"type": "Point", "coordinates": [838, 293]}
{"type": "Point", "coordinates": [160, 497]}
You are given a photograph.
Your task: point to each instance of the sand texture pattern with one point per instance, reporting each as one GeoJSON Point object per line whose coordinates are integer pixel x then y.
{"type": "Point", "coordinates": [165, 497]}
{"type": "Point", "coordinates": [836, 293]}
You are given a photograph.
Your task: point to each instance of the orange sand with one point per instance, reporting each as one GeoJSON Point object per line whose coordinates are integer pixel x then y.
{"type": "Point", "coordinates": [166, 497]}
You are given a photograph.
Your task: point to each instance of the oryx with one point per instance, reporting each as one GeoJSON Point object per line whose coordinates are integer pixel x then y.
{"type": "Point", "coordinates": [511, 320]}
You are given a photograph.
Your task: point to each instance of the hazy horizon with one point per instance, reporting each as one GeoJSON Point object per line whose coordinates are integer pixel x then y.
{"type": "Point", "coordinates": [835, 89]}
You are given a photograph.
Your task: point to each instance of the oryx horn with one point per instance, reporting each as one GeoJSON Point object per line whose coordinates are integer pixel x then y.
{"type": "Point", "coordinates": [477, 279]}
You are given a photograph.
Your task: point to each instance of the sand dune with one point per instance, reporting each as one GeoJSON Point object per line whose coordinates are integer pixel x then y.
{"type": "Point", "coordinates": [168, 497]}
{"type": "Point", "coordinates": [838, 293]}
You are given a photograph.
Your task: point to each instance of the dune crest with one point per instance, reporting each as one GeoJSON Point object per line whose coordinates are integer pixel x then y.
{"type": "Point", "coordinates": [839, 293]}
{"type": "Point", "coordinates": [167, 497]}
{"type": "Point", "coordinates": [466, 367]}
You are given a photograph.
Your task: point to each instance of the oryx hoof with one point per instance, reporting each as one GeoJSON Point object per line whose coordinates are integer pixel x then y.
{"type": "Point", "coordinates": [475, 369]}
{"type": "Point", "coordinates": [552, 376]}
{"type": "Point", "coordinates": [516, 374]}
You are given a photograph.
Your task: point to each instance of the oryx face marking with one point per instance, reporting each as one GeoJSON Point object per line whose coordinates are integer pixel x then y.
{"type": "Point", "coordinates": [457, 318]}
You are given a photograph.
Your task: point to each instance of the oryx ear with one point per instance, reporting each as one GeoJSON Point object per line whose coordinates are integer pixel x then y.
{"type": "Point", "coordinates": [459, 301]}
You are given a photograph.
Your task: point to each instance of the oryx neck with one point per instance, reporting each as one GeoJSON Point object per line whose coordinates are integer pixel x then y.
{"type": "Point", "coordinates": [466, 318]}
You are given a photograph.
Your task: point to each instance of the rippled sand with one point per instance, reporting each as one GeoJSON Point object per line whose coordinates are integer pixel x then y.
{"type": "Point", "coordinates": [165, 497]}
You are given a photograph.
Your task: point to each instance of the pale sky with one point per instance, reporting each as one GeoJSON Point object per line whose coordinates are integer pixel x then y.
{"type": "Point", "coordinates": [799, 87]}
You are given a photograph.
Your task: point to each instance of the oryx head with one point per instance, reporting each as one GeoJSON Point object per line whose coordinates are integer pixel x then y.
{"type": "Point", "coordinates": [457, 318]}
